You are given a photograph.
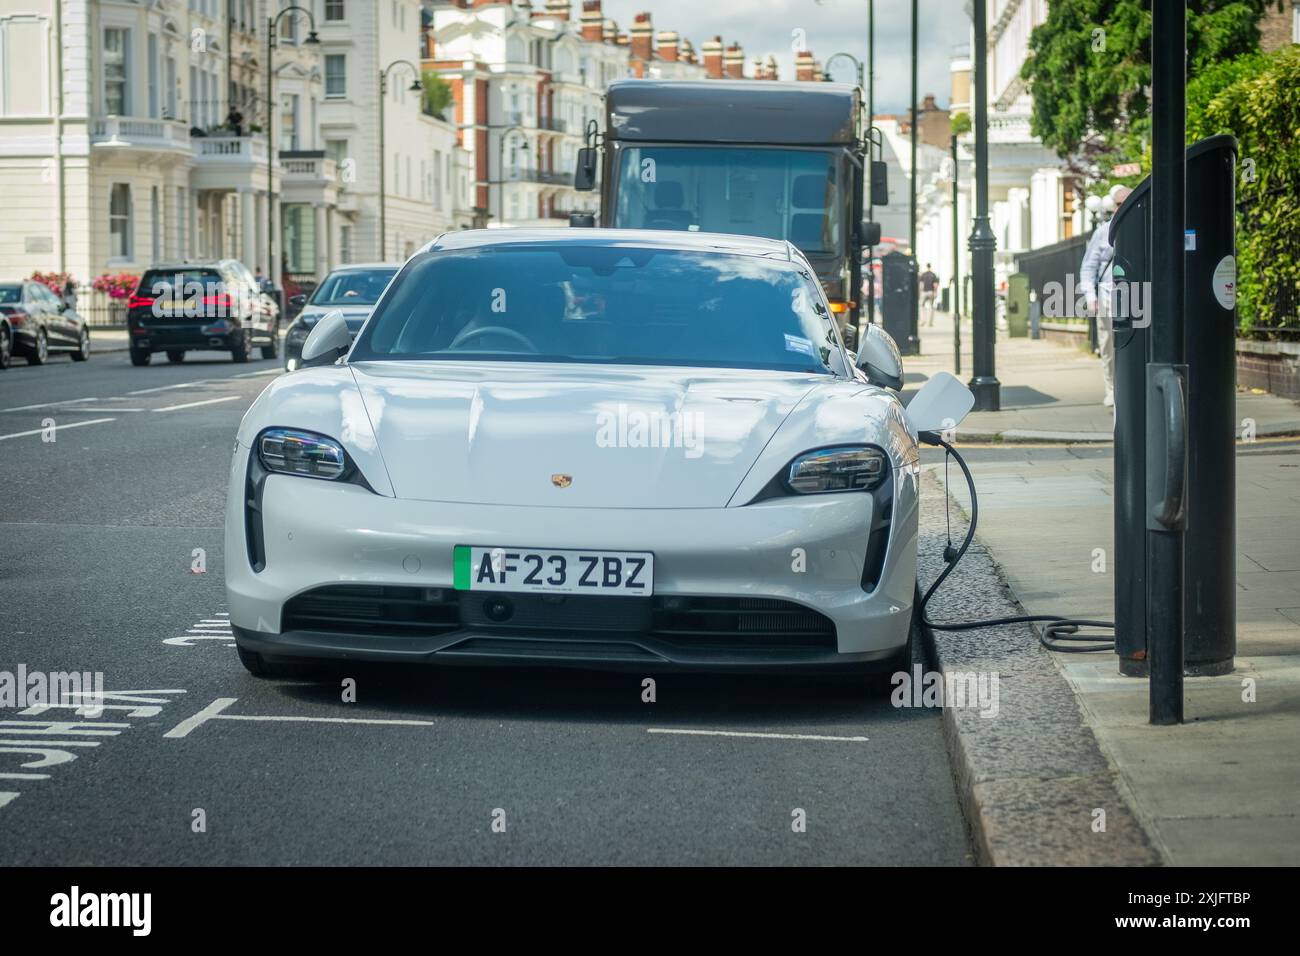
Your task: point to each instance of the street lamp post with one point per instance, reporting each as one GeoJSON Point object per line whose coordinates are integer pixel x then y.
{"type": "Point", "coordinates": [272, 23]}
{"type": "Point", "coordinates": [956, 266]}
{"type": "Point", "coordinates": [982, 242]}
{"type": "Point", "coordinates": [501, 168]}
{"type": "Point", "coordinates": [383, 90]}
{"type": "Point", "coordinates": [914, 305]}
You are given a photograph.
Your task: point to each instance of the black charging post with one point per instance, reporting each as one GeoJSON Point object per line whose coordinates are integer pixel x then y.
{"type": "Point", "coordinates": [1209, 607]}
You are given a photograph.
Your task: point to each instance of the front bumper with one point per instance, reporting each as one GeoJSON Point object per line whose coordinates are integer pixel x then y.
{"type": "Point", "coordinates": [803, 554]}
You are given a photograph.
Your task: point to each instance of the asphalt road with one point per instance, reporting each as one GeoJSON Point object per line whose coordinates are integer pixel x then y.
{"type": "Point", "coordinates": [98, 531]}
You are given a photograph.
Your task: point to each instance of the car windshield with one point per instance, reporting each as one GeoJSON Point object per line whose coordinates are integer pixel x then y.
{"type": "Point", "coordinates": [777, 193]}
{"type": "Point", "coordinates": [11, 294]}
{"type": "Point", "coordinates": [353, 287]}
{"type": "Point", "coordinates": [179, 281]}
{"type": "Point", "coordinates": [614, 303]}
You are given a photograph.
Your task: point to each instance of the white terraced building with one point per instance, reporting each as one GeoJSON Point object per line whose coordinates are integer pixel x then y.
{"type": "Point", "coordinates": [118, 147]}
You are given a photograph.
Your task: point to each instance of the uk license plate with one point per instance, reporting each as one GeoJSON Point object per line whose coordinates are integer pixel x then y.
{"type": "Point", "coordinates": [611, 573]}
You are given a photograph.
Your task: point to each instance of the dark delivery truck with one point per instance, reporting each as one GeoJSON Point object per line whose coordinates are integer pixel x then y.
{"type": "Point", "coordinates": [756, 158]}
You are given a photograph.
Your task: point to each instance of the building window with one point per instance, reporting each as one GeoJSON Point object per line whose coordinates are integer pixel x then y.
{"type": "Point", "coordinates": [289, 122]}
{"type": "Point", "coordinates": [336, 75]}
{"type": "Point", "coordinates": [155, 223]}
{"type": "Point", "coordinates": [117, 69]}
{"type": "Point", "coordinates": [334, 10]}
{"type": "Point", "coordinates": [345, 244]}
{"type": "Point", "coordinates": [119, 221]}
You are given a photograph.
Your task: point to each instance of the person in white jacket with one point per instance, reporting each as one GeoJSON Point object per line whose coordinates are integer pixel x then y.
{"type": "Point", "coordinates": [1097, 286]}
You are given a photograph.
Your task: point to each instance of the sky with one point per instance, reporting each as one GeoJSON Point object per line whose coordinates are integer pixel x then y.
{"type": "Point", "coordinates": [768, 27]}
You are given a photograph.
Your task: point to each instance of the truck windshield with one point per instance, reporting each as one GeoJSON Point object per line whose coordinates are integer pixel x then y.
{"type": "Point", "coordinates": [788, 194]}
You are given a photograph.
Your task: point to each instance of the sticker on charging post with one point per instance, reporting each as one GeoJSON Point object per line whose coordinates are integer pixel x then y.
{"type": "Point", "coordinates": [1189, 240]}
{"type": "Point", "coordinates": [1224, 282]}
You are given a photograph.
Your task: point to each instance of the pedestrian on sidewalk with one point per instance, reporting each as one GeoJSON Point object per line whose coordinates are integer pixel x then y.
{"type": "Point", "coordinates": [929, 286]}
{"type": "Point", "coordinates": [1097, 286]}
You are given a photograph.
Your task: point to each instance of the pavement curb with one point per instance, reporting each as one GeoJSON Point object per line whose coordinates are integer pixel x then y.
{"type": "Point", "coordinates": [1029, 779]}
{"type": "Point", "coordinates": [1028, 436]}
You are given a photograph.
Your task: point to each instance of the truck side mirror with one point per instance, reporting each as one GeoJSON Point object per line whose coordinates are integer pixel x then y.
{"type": "Point", "coordinates": [868, 233]}
{"type": "Point", "coordinates": [879, 183]}
{"type": "Point", "coordinates": [584, 177]}
{"type": "Point", "coordinates": [582, 220]}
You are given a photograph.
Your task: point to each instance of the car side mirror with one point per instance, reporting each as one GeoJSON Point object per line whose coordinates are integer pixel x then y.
{"type": "Point", "coordinates": [296, 301]}
{"type": "Point", "coordinates": [940, 405]}
{"type": "Point", "coordinates": [328, 341]}
{"type": "Point", "coordinates": [879, 359]}
{"type": "Point", "coordinates": [879, 183]}
{"type": "Point", "coordinates": [868, 233]}
{"type": "Point", "coordinates": [582, 220]}
{"type": "Point", "coordinates": [584, 177]}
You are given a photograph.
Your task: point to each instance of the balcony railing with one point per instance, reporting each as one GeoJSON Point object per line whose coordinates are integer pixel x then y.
{"type": "Point", "coordinates": [553, 123]}
{"type": "Point", "coordinates": [231, 149]}
{"type": "Point", "coordinates": [307, 164]}
{"type": "Point", "coordinates": [140, 132]}
{"type": "Point", "coordinates": [545, 176]}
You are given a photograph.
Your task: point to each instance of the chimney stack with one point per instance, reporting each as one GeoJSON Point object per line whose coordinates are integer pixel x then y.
{"type": "Point", "coordinates": [593, 21]}
{"type": "Point", "coordinates": [666, 45]}
{"type": "Point", "coordinates": [688, 52]}
{"type": "Point", "coordinates": [733, 62]}
{"type": "Point", "coordinates": [805, 66]}
{"type": "Point", "coordinates": [642, 38]}
{"type": "Point", "coordinates": [559, 9]}
{"type": "Point", "coordinates": [711, 50]}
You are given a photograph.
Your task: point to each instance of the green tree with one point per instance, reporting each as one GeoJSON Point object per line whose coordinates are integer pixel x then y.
{"type": "Point", "coordinates": [1089, 71]}
{"type": "Point", "coordinates": [1254, 99]}
{"type": "Point", "coordinates": [437, 93]}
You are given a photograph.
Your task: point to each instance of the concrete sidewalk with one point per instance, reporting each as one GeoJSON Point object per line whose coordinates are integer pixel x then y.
{"type": "Point", "coordinates": [1224, 788]}
{"type": "Point", "coordinates": [107, 340]}
{"type": "Point", "coordinates": [1051, 392]}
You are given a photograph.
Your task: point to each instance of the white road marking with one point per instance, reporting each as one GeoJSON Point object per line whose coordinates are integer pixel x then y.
{"type": "Point", "coordinates": [165, 388]}
{"type": "Point", "coordinates": [214, 712]}
{"type": "Point", "coordinates": [190, 724]}
{"type": "Point", "coordinates": [742, 733]}
{"type": "Point", "coordinates": [206, 401]}
{"type": "Point", "coordinates": [69, 401]}
{"type": "Point", "coordinates": [8, 797]}
{"type": "Point", "coordinates": [57, 428]}
{"type": "Point", "coordinates": [82, 410]}
{"type": "Point", "coordinates": [265, 371]}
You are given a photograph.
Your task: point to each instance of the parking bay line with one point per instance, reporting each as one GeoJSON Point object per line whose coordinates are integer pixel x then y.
{"type": "Point", "coordinates": [206, 401]}
{"type": "Point", "coordinates": [165, 388]}
{"type": "Point", "coordinates": [214, 712]}
{"type": "Point", "coordinates": [748, 733]}
{"type": "Point", "coordinates": [57, 428]}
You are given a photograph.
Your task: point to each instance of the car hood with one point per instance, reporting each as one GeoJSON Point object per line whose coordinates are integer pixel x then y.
{"type": "Point", "coordinates": [621, 436]}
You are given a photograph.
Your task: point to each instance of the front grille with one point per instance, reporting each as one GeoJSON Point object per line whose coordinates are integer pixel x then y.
{"type": "Point", "coordinates": [740, 622]}
{"type": "Point", "coordinates": [696, 623]}
{"type": "Point", "coordinates": [373, 609]}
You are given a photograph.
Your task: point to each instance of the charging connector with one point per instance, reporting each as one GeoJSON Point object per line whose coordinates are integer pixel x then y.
{"type": "Point", "coordinates": [1058, 634]}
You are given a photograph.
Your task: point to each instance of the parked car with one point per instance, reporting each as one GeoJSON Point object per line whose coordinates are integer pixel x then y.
{"type": "Point", "coordinates": [6, 342]}
{"type": "Point", "coordinates": [193, 306]}
{"type": "Point", "coordinates": [584, 447]}
{"type": "Point", "coordinates": [353, 290]}
{"type": "Point", "coordinates": [40, 323]}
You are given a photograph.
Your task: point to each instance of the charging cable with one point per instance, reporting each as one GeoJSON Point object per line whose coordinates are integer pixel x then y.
{"type": "Point", "coordinates": [1058, 634]}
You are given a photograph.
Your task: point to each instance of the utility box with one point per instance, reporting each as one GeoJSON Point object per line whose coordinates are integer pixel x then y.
{"type": "Point", "coordinates": [1210, 578]}
{"type": "Point", "coordinates": [898, 298]}
{"type": "Point", "coordinates": [1018, 305]}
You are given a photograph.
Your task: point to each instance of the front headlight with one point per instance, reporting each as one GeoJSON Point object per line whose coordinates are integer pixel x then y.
{"type": "Point", "coordinates": [827, 470]}
{"type": "Point", "coordinates": [293, 452]}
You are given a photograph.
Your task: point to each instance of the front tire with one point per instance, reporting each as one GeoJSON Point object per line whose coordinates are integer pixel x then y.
{"type": "Point", "coordinates": [6, 349]}
{"type": "Point", "coordinates": [239, 352]}
{"type": "Point", "coordinates": [83, 347]}
{"type": "Point", "coordinates": [272, 351]}
{"type": "Point", "coordinates": [259, 666]}
{"type": "Point", "coordinates": [40, 353]}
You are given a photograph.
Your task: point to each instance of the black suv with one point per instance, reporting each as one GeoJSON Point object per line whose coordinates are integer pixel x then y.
{"type": "Point", "coordinates": [201, 305]}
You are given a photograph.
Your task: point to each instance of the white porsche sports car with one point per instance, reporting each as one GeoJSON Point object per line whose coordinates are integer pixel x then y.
{"type": "Point", "coordinates": [584, 447]}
